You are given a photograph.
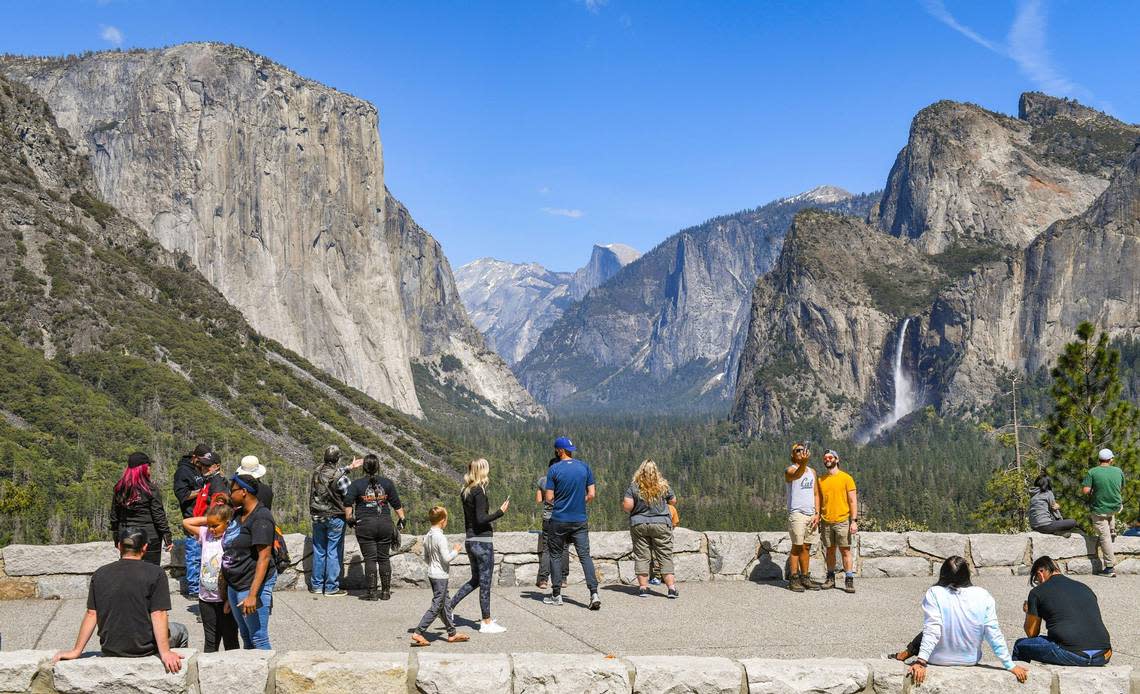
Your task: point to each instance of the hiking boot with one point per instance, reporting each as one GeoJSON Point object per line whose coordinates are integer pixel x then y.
{"type": "Point", "coordinates": [794, 584]}
{"type": "Point", "coordinates": [849, 584]}
{"type": "Point", "coordinates": [829, 583]}
{"type": "Point", "coordinates": [372, 595]}
{"type": "Point", "coordinates": [806, 582]}
{"type": "Point", "coordinates": [385, 594]}
{"type": "Point", "coordinates": [555, 600]}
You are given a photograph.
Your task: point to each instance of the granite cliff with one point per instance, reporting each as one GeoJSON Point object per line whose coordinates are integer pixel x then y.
{"type": "Point", "coordinates": [273, 186]}
{"type": "Point", "coordinates": [512, 303]}
{"type": "Point", "coordinates": [975, 247]}
{"type": "Point", "coordinates": [664, 335]}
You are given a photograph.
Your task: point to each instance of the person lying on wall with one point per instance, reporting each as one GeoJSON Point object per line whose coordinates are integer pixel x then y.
{"type": "Point", "coordinates": [128, 602]}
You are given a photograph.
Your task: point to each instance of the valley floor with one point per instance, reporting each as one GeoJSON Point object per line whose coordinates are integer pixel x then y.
{"type": "Point", "coordinates": [728, 619]}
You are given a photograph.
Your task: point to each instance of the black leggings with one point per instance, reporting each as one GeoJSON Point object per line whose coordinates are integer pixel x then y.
{"type": "Point", "coordinates": [153, 553]}
{"type": "Point", "coordinates": [1057, 527]}
{"type": "Point", "coordinates": [376, 535]}
{"type": "Point", "coordinates": [217, 625]}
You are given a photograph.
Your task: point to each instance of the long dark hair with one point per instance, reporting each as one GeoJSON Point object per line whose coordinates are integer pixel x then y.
{"type": "Point", "coordinates": [133, 486]}
{"type": "Point", "coordinates": [372, 468]}
{"type": "Point", "coordinates": [1043, 483]}
{"type": "Point", "coordinates": [954, 574]}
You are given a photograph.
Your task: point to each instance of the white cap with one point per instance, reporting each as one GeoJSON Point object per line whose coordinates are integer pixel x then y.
{"type": "Point", "coordinates": [251, 466]}
{"type": "Point", "coordinates": [1106, 454]}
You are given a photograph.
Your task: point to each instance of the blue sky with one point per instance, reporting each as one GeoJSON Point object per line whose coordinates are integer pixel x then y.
{"type": "Point", "coordinates": [530, 130]}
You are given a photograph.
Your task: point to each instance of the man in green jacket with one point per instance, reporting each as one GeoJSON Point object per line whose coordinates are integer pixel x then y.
{"type": "Point", "coordinates": [1105, 483]}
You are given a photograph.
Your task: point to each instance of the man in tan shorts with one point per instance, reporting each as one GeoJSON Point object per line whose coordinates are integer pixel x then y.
{"type": "Point", "coordinates": [803, 518]}
{"type": "Point", "coordinates": [839, 508]}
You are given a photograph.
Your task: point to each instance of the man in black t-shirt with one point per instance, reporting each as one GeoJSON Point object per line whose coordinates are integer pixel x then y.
{"type": "Point", "coordinates": [128, 601]}
{"type": "Point", "coordinates": [1069, 609]}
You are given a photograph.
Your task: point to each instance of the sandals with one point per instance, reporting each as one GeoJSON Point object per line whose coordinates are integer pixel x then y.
{"type": "Point", "coordinates": [458, 638]}
{"type": "Point", "coordinates": [420, 642]}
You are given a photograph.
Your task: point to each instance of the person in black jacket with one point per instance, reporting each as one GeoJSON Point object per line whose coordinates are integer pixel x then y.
{"type": "Point", "coordinates": [195, 470]}
{"type": "Point", "coordinates": [135, 504]}
{"type": "Point", "coordinates": [480, 536]}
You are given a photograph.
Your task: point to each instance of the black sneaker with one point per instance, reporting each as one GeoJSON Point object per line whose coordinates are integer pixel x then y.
{"type": "Point", "coordinates": [595, 602]}
{"type": "Point", "coordinates": [314, 591]}
{"type": "Point", "coordinates": [643, 592]}
{"type": "Point", "coordinates": [1107, 572]}
{"type": "Point", "coordinates": [338, 593]}
{"type": "Point", "coordinates": [673, 595]}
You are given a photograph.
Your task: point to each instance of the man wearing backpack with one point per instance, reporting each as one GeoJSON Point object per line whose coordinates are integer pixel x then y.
{"type": "Point", "coordinates": [327, 487]}
{"type": "Point", "coordinates": [189, 479]}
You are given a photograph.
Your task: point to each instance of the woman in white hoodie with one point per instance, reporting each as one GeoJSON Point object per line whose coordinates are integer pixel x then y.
{"type": "Point", "coordinates": [958, 616]}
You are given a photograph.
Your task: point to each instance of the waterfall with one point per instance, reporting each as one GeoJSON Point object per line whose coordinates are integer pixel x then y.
{"type": "Point", "coordinates": [904, 402]}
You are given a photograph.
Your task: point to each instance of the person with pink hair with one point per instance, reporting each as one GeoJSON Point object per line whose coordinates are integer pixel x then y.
{"type": "Point", "coordinates": [135, 504]}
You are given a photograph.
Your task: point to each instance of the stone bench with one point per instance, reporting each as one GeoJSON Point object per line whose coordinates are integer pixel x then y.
{"type": "Point", "coordinates": [450, 672]}
{"type": "Point", "coordinates": [62, 571]}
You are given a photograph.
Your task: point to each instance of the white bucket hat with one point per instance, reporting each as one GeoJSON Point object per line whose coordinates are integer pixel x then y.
{"type": "Point", "coordinates": [251, 466]}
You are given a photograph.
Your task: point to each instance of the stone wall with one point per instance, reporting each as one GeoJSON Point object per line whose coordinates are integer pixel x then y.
{"type": "Point", "coordinates": [62, 571]}
{"type": "Point", "coordinates": [530, 673]}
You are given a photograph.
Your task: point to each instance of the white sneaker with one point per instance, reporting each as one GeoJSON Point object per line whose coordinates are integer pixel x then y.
{"type": "Point", "coordinates": [492, 627]}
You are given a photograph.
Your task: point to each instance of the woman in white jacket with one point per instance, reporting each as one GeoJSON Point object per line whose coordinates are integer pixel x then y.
{"type": "Point", "coordinates": [957, 617]}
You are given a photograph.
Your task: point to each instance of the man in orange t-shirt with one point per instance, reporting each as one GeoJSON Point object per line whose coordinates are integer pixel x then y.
{"type": "Point", "coordinates": [839, 510]}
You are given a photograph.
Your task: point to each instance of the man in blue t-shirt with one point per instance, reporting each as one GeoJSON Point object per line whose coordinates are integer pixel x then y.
{"type": "Point", "coordinates": [569, 487]}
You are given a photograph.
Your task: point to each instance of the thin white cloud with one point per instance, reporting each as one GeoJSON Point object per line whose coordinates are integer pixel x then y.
{"type": "Point", "coordinates": [564, 212]}
{"type": "Point", "coordinates": [544, 190]}
{"type": "Point", "coordinates": [938, 10]}
{"type": "Point", "coordinates": [1025, 45]}
{"type": "Point", "coordinates": [1028, 49]}
{"type": "Point", "coordinates": [111, 35]}
{"type": "Point", "coordinates": [595, 6]}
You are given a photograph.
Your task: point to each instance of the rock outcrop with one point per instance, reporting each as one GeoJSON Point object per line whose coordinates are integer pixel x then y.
{"type": "Point", "coordinates": [512, 303]}
{"type": "Point", "coordinates": [665, 334]}
{"type": "Point", "coordinates": [273, 186]}
{"type": "Point", "coordinates": [991, 279]}
{"type": "Point", "coordinates": [441, 338]}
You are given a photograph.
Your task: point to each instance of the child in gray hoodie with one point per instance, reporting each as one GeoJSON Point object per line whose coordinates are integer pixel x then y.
{"type": "Point", "coordinates": [438, 557]}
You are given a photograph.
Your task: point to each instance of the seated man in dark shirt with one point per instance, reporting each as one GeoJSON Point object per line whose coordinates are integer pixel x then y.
{"type": "Point", "coordinates": [128, 601]}
{"type": "Point", "coordinates": [1070, 611]}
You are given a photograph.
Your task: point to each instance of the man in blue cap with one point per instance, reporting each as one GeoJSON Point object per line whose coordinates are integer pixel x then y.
{"type": "Point", "coordinates": [569, 487]}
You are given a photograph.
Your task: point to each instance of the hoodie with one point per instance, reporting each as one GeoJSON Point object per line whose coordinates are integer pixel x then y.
{"type": "Point", "coordinates": [1041, 507]}
{"type": "Point", "coordinates": [187, 480]}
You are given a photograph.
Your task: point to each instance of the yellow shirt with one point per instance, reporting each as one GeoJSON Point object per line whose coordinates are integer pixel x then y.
{"type": "Point", "coordinates": [833, 488]}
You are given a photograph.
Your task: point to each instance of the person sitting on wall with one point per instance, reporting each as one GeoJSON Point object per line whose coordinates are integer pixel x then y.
{"type": "Point", "coordinates": [128, 601]}
{"type": "Point", "coordinates": [1045, 512]}
{"type": "Point", "coordinates": [1069, 609]}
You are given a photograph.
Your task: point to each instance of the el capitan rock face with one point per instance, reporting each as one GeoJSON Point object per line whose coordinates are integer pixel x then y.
{"type": "Point", "coordinates": [273, 186]}
{"type": "Point", "coordinates": [664, 334]}
{"type": "Point", "coordinates": [962, 250]}
{"type": "Point", "coordinates": [512, 303]}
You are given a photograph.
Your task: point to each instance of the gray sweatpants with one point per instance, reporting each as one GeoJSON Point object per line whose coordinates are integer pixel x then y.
{"type": "Point", "coordinates": [440, 607]}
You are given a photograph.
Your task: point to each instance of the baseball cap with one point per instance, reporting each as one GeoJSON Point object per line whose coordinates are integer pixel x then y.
{"type": "Point", "coordinates": [1106, 454]}
{"type": "Point", "coordinates": [138, 459]}
{"type": "Point", "coordinates": [201, 451]}
{"type": "Point", "coordinates": [832, 453]}
{"type": "Point", "coordinates": [564, 443]}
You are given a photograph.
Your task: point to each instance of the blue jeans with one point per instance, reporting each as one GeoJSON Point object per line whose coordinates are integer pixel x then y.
{"type": "Point", "coordinates": [482, 556]}
{"type": "Point", "coordinates": [328, 548]}
{"type": "Point", "coordinates": [1043, 650]}
{"type": "Point", "coordinates": [557, 537]}
{"type": "Point", "coordinates": [193, 551]}
{"type": "Point", "coordinates": [254, 628]}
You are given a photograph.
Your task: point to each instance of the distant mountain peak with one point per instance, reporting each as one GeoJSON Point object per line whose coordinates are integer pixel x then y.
{"type": "Point", "coordinates": [625, 254]}
{"type": "Point", "coordinates": [823, 195]}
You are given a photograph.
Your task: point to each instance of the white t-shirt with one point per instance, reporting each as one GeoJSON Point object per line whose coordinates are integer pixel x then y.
{"type": "Point", "coordinates": [211, 566]}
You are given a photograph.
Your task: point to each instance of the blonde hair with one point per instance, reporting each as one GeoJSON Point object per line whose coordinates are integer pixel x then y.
{"type": "Point", "coordinates": [436, 514]}
{"type": "Point", "coordinates": [478, 475]}
{"type": "Point", "coordinates": [651, 486]}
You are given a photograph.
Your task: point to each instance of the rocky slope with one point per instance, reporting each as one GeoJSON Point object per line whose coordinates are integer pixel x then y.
{"type": "Point", "coordinates": [273, 186]}
{"type": "Point", "coordinates": [665, 334]}
{"type": "Point", "coordinates": [112, 344]}
{"type": "Point", "coordinates": [451, 352]}
{"type": "Point", "coordinates": [984, 288]}
{"type": "Point", "coordinates": [512, 303]}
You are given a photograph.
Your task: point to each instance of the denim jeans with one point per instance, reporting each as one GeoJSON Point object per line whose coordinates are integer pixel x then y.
{"type": "Point", "coordinates": [482, 556]}
{"type": "Point", "coordinates": [1043, 650]}
{"type": "Point", "coordinates": [328, 546]}
{"type": "Point", "coordinates": [254, 628]}
{"type": "Point", "coordinates": [557, 538]}
{"type": "Point", "coordinates": [193, 550]}
{"type": "Point", "coordinates": [440, 607]}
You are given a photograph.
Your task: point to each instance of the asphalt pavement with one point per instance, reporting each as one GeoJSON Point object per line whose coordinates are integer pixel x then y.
{"type": "Point", "coordinates": [736, 619]}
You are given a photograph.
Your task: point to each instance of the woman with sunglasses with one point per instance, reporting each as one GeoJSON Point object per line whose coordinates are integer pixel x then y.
{"type": "Point", "coordinates": [247, 565]}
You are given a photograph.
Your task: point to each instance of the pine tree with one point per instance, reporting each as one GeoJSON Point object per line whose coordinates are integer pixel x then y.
{"type": "Point", "coordinates": [1089, 414]}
